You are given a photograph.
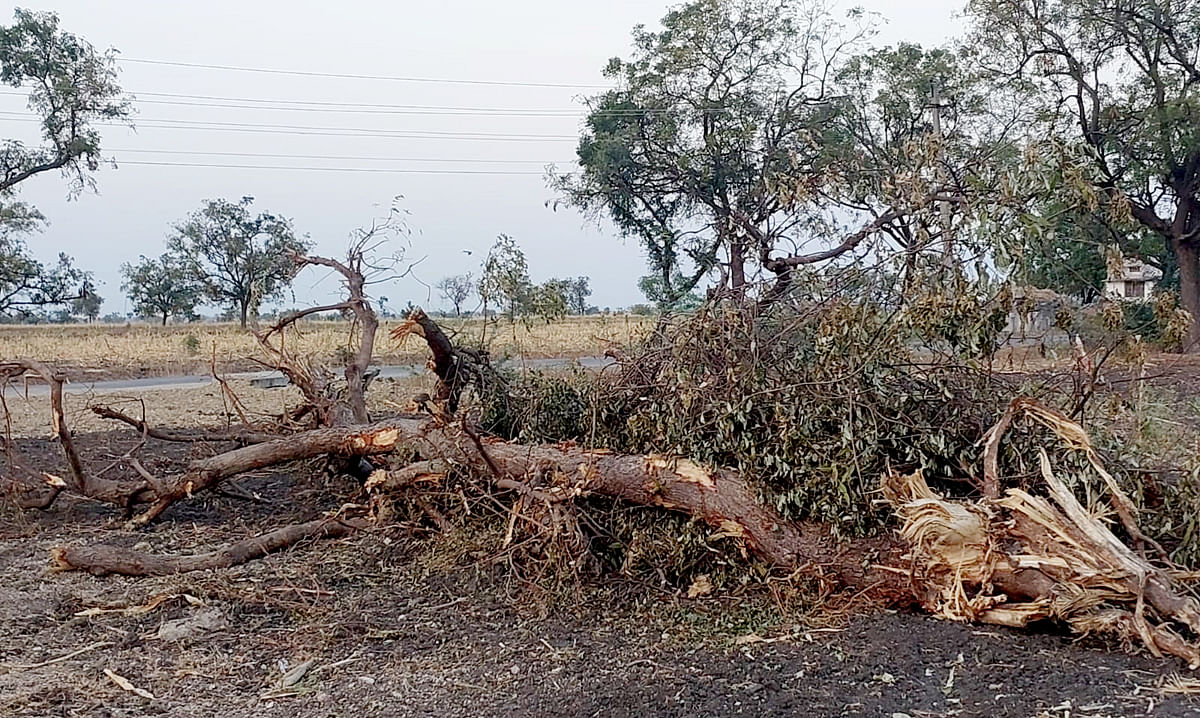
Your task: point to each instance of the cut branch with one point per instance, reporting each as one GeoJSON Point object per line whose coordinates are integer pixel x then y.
{"type": "Point", "coordinates": [102, 560]}
{"type": "Point", "coordinates": [381, 438]}
{"type": "Point", "coordinates": [242, 435]}
{"type": "Point", "coordinates": [116, 492]}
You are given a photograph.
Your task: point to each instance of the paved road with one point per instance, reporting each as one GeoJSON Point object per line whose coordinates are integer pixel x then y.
{"type": "Point", "coordinates": [160, 383]}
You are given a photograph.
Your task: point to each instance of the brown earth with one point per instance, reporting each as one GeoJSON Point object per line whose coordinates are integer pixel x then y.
{"type": "Point", "coordinates": [393, 630]}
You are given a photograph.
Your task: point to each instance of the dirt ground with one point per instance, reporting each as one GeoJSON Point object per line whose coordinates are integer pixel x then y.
{"type": "Point", "coordinates": [380, 628]}
{"type": "Point", "coordinates": [380, 624]}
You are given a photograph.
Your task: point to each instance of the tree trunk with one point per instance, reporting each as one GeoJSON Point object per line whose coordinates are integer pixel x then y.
{"type": "Point", "coordinates": [245, 307]}
{"type": "Point", "coordinates": [165, 315]}
{"type": "Point", "coordinates": [1188, 256]}
{"type": "Point", "coordinates": [737, 266]}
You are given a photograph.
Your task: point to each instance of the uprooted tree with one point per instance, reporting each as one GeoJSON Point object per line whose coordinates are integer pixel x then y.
{"type": "Point", "coordinates": [992, 542]}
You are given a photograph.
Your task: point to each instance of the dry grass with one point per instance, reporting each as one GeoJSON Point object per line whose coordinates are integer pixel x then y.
{"type": "Point", "coordinates": [182, 349]}
{"type": "Point", "coordinates": [189, 406]}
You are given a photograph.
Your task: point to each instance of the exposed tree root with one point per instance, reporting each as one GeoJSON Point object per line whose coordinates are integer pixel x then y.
{"type": "Point", "coordinates": [103, 560]}
{"type": "Point", "coordinates": [1019, 558]}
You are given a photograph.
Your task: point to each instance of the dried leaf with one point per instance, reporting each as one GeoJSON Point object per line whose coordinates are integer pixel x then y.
{"type": "Point", "coordinates": [702, 586]}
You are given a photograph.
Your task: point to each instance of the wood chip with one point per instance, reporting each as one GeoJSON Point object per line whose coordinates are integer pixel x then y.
{"type": "Point", "coordinates": [293, 676]}
{"type": "Point", "coordinates": [125, 685]}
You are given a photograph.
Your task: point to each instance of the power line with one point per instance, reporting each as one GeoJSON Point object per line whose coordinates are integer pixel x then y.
{"type": "Point", "coordinates": [372, 170]}
{"type": "Point", "coordinates": [261, 125]}
{"type": "Point", "coordinates": [221, 98]}
{"type": "Point", "coordinates": [246, 103]}
{"type": "Point", "coordinates": [321, 131]}
{"type": "Point", "coordinates": [354, 76]}
{"type": "Point", "coordinates": [463, 111]}
{"type": "Point", "coordinates": [265, 155]}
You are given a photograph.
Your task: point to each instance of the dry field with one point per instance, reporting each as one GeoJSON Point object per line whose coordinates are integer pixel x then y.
{"type": "Point", "coordinates": [104, 350]}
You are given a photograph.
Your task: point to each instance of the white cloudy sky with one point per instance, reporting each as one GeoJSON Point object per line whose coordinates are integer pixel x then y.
{"type": "Point", "coordinates": [530, 41]}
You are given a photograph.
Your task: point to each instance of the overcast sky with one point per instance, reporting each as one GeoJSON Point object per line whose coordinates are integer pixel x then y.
{"type": "Point", "coordinates": [561, 42]}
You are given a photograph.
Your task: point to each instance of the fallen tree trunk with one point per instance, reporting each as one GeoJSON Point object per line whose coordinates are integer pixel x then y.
{"type": "Point", "coordinates": [716, 496]}
{"type": "Point", "coordinates": [380, 438]}
{"type": "Point", "coordinates": [102, 560]}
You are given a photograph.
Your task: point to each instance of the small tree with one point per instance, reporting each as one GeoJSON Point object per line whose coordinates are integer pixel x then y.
{"type": "Point", "coordinates": [241, 260]}
{"type": "Point", "coordinates": [456, 289]}
{"type": "Point", "coordinates": [26, 284]}
{"type": "Point", "coordinates": [505, 279]}
{"type": "Point", "coordinates": [551, 300]}
{"type": "Point", "coordinates": [87, 306]}
{"type": "Point", "coordinates": [163, 287]}
{"type": "Point", "coordinates": [578, 291]}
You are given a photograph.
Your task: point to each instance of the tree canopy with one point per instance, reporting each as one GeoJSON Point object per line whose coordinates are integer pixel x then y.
{"type": "Point", "coordinates": [1116, 85]}
{"type": "Point", "coordinates": [239, 259]}
{"type": "Point", "coordinates": [71, 88]}
{"type": "Point", "coordinates": [161, 287]}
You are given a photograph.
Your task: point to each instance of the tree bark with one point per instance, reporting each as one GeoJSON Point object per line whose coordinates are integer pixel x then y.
{"type": "Point", "coordinates": [1187, 254]}
{"type": "Point", "coordinates": [102, 560]}
{"type": "Point", "coordinates": [737, 264]}
{"type": "Point", "coordinates": [381, 438]}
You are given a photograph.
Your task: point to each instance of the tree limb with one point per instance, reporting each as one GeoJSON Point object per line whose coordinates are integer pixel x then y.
{"type": "Point", "coordinates": [103, 560]}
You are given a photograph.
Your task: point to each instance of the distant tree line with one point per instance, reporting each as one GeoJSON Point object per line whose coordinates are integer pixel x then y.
{"type": "Point", "coordinates": [504, 287]}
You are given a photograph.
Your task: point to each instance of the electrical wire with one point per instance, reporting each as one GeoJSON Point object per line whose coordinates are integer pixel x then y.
{"type": "Point", "coordinates": [355, 76]}
{"type": "Point", "coordinates": [348, 158]}
{"type": "Point", "coordinates": [167, 124]}
{"type": "Point", "coordinates": [246, 103]}
{"type": "Point", "coordinates": [370, 170]}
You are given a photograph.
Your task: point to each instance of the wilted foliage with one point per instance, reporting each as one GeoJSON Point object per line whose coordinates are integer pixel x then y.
{"type": "Point", "coordinates": [815, 398]}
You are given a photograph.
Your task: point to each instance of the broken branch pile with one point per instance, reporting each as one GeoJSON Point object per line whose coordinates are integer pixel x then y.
{"type": "Point", "coordinates": [790, 422]}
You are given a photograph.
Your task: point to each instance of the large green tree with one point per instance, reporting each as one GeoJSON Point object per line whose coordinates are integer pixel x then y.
{"type": "Point", "coordinates": [749, 138]}
{"type": "Point", "coordinates": [240, 259]}
{"type": "Point", "coordinates": [709, 148]}
{"type": "Point", "coordinates": [71, 88]}
{"type": "Point", "coordinates": [161, 287]}
{"type": "Point", "coordinates": [1120, 80]}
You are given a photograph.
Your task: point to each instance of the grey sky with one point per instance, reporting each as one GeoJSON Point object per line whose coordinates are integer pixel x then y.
{"type": "Point", "coordinates": [536, 41]}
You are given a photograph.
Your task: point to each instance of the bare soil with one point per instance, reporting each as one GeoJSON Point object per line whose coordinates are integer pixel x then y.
{"type": "Point", "coordinates": [387, 630]}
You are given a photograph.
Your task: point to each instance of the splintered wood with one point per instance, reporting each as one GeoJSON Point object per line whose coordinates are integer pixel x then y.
{"type": "Point", "coordinates": [1015, 558]}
